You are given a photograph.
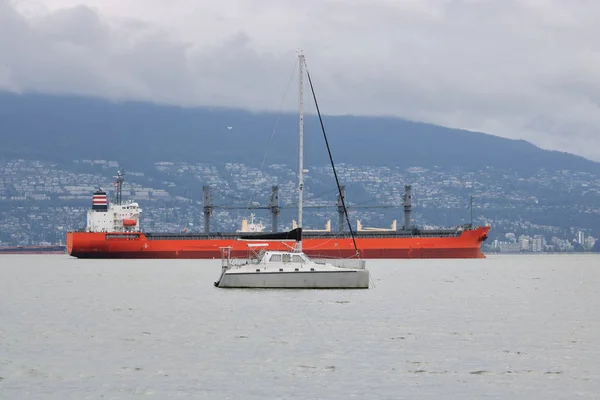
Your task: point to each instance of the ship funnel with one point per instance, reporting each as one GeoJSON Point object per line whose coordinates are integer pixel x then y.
{"type": "Point", "coordinates": [99, 201]}
{"type": "Point", "coordinates": [407, 206]}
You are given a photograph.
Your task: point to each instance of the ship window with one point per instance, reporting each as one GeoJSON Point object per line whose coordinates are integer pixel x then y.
{"type": "Point", "coordinates": [297, 258]}
{"type": "Point", "coordinates": [275, 257]}
{"type": "Point", "coordinates": [286, 258]}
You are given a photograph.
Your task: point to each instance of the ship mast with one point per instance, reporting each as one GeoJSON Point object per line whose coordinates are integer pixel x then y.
{"type": "Point", "coordinates": [119, 186]}
{"type": "Point", "coordinates": [301, 143]}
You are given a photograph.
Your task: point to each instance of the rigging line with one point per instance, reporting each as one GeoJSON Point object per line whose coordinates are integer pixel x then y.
{"type": "Point", "coordinates": [275, 126]}
{"type": "Point", "coordinates": [332, 164]}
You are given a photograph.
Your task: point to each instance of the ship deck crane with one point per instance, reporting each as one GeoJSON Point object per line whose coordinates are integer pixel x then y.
{"type": "Point", "coordinates": [273, 206]}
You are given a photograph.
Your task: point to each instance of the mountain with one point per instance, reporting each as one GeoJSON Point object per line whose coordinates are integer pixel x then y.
{"type": "Point", "coordinates": [55, 150]}
{"type": "Point", "coordinates": [69, 127]}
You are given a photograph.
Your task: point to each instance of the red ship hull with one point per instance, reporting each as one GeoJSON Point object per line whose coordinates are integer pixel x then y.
{"type": "Point", "coordinates": [466, 244]}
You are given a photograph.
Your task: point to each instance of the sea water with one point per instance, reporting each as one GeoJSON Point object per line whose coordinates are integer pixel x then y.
{"type": "Point", "coordinates": [518, 327]}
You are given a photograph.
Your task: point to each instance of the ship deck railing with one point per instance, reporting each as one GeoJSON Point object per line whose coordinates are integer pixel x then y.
{"type": "Point", "coordinates": [349, 263]}
{"type": "Point", "coordinates": [238, 262]}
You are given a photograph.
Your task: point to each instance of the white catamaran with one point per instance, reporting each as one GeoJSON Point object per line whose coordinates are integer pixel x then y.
{"type": "Point", "coordinates": [292, 269]}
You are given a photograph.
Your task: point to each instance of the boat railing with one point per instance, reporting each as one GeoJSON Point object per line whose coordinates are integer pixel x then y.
{"type": "Point", "coordinates": [227, 261]}
{"type": "Point", "coordinates": [349, 263]}
{"type": "Point", "coordinates": [238, 262]}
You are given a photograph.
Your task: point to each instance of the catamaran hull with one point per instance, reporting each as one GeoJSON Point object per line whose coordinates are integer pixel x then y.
{"type": "Point", "coordinates": [467, 244]}
{"type": "Point", "coordinates": [351, 279]}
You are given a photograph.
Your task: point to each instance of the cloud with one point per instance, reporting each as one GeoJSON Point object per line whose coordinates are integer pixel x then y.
{"type": "Point", "coordinates": [528, 70]}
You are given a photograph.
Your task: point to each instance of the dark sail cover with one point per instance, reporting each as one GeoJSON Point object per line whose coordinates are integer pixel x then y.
{"type": "Point", "coordinates": [294, 234]}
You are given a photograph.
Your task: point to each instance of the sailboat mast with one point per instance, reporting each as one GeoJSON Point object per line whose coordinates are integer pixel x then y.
{"type": "Point", "coordinates": [301, 142]}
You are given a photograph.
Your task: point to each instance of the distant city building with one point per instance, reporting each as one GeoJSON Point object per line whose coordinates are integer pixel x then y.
{"type": "Point", "coordinates": [580, 237]}
{"type": "Point", "coordinates": [589, 242]}
{"type": "Point", "coordinates": [524, 243]}
{"type": "Point", "coordinates": [538, 244]}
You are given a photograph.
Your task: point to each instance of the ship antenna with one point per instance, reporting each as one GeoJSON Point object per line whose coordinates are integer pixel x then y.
{"type": "Point", "coordinates": [471, 209]}
{"type": "Point", "coordinates": [119, 185]}
{"type": "Point", "coordinates": [337, 181]}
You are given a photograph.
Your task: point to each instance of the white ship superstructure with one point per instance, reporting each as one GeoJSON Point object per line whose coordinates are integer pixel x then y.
{"type": "Point", "coordinates": [251, 226]}
{"type": "Point", "coordinates": [105, 217]}
{"type": "Point", "coordinates": [116, 218]}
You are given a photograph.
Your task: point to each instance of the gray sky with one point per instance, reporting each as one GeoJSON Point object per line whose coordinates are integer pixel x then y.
{"type": "Point", "coordinates": [527, 69]}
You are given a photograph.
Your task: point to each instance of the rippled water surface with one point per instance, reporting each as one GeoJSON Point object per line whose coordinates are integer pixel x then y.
{"type": "Point", "coordinates": [519, 327]}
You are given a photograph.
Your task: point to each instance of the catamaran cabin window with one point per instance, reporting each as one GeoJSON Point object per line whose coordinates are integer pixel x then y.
{"type": "Point", "coordinates": [275, 257]}
{"type": "Point", "coordinates": [297, 258]}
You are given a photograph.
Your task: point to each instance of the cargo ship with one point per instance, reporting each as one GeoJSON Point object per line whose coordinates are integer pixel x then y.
{"type": "Point", "coordinates": [113, 231]}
